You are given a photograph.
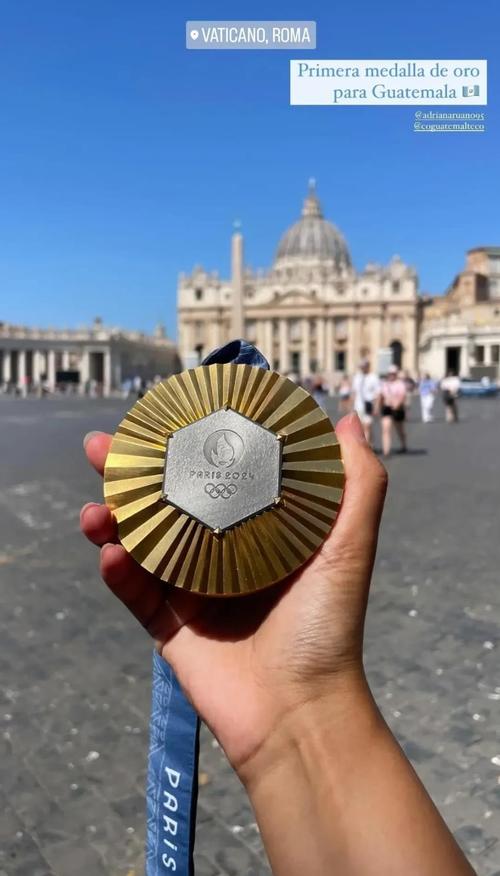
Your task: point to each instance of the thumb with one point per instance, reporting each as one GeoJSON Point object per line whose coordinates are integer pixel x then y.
{"type": "Point", "coordinates": [356, 529]}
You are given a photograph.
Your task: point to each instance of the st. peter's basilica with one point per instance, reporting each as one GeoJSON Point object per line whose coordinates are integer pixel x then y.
{"type": "Point", "coordinates": [311, 312]}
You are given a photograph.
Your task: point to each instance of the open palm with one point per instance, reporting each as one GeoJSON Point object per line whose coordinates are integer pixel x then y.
{"type": "Point", "coordinates": [245, 663]}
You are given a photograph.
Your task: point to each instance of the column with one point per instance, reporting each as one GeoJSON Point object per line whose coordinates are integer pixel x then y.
{"type": "Point", "coordinates": [237, 269]}
{"type": "Point", "coordinates": [216, 333]}
{"type": "Point", "coordinates": [21, 372]}
{"type": "Point", "coordinates": [51, 370]}
{"type": "Point", "coordinates": [65, 360]}
{"type": "Point", "coordinates": [329, 346]}
{"type": "Point", "coordinates": [84, 370]}
{"type": "Point", "coordinates": [464, 360]}
{"type": "Point", "coordinates": [320, 344]}
{"type": "Point", "coordinates": [268, 341]}
{"type": "Point", "coordinates": [106, 389]}
{"type": "Point", "coordinates": [352, 358]}
{"type": "Point", "coordinates": [305, 359]}
{"type": "Point", "coordinates": [284, 350]}
{"type": "Point", "coordinates": [262, 333]}
{"type": "Point", "coordinates": [376, 344]}
{"type": "Point", "coordinates": [487, 354]}
{"type": "Point", "coordinates": [7, 369]}
{"type": "Point", "coordinates": [376, 338]}
{"type": "Point", "coordinates": [409, 361]}
{"type": "Point", "coordinates": [37, 367]}
{"type": "Point", "coordinates": [258, 334]}
{"type": "Point", "coordinates": [329, 357]}
{"type": "Point", "coordinates": [384, 333]}
{"type": "Point", "coordinates": [187, 344]}
{"type": "Point", "coordinates": [353, 344]}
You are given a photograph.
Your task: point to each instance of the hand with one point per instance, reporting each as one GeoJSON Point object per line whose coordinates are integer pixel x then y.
{"type": "Point", "coordinates": [247, 664]}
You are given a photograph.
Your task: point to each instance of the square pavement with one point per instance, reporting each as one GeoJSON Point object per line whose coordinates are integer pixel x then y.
{"type": "Point", "coordinates": [75, 668]}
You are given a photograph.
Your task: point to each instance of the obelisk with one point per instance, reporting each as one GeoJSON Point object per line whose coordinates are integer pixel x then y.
{"type": "Point", "coordinates": [237, 272]}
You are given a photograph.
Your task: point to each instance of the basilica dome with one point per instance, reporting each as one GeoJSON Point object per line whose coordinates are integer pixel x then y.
{"type": "Point", "coordinates": [313, 237]}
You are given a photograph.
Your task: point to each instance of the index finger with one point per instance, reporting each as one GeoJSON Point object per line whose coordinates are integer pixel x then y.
{"type": "Point", "coordinates": [96, 446]}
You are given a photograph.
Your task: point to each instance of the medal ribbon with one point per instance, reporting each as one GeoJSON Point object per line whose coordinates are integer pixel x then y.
{"type": "Point", "coordinates": [172, 783]}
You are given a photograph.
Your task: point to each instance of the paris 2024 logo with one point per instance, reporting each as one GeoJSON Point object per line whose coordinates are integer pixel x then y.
{"type": "Point", "coordinates": [223, 448]}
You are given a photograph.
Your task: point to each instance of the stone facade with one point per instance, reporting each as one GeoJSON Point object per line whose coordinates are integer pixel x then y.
{"type": "Point", "coordinates": [97, 358]}
{"type": "Point", "coordinates": [311, 313]}
{"type": "Point", "coordinates": [460, 331]}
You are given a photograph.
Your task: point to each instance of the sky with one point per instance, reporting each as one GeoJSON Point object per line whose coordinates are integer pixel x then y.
{"type": "Point", "coordinates": [125, 158]}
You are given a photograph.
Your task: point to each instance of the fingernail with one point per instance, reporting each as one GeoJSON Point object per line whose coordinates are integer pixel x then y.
{"type": "Point", "coordinates": [88, 436]}
{"type": "Point", "coordinates": [87, 506]}
{"type": "Point", "coordinates": [357, 426]}
{"type": "Point", "coordinates": [106, 547]}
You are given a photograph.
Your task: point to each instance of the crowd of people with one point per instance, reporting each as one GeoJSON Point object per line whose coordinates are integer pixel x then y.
{"type": "Point", "coordinates": [388, 399]}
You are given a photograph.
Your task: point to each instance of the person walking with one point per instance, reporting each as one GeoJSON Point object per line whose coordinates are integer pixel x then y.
{"type": "Point", "coordinates": [344, 391]}
{"type": "Point", "coordinates": [318, 391]}
{"type": "Point", "coordinates": [393, 402]}
{"type": "Point", "coordinates": [366, 390]}
{"type": "Point", "coordinates": [411, 386]}
{"type": "Point", "coordinates": [427, 392]}
{"type": "Point", "coordinates": [450, 388]}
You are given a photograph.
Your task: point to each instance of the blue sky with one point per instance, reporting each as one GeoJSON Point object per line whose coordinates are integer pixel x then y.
{"type": "Point", "coordinates": [124, 158]}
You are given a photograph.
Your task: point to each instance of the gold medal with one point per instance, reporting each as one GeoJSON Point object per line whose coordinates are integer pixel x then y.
{"type": "Point", "coordinates": [224, 479]}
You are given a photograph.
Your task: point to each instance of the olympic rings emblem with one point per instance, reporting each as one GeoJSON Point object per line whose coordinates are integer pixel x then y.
{"type": "Point", "coordinates": [224, 491]}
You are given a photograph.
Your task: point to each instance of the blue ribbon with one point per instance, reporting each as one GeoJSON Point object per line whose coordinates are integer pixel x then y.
{"type": "Point", "coordinates": [172, 784]}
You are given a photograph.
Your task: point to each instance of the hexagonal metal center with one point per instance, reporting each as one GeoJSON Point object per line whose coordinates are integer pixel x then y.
{"type": "Point", "coordinates": [222, 469]}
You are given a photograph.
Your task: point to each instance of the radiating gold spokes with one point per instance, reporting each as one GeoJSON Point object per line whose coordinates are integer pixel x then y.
{"type": "Point", "coordinates": [259, 551]}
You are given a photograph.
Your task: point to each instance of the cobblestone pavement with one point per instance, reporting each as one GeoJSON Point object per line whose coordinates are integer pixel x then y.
{"type": "Point", "coordinates": [75, 669]}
